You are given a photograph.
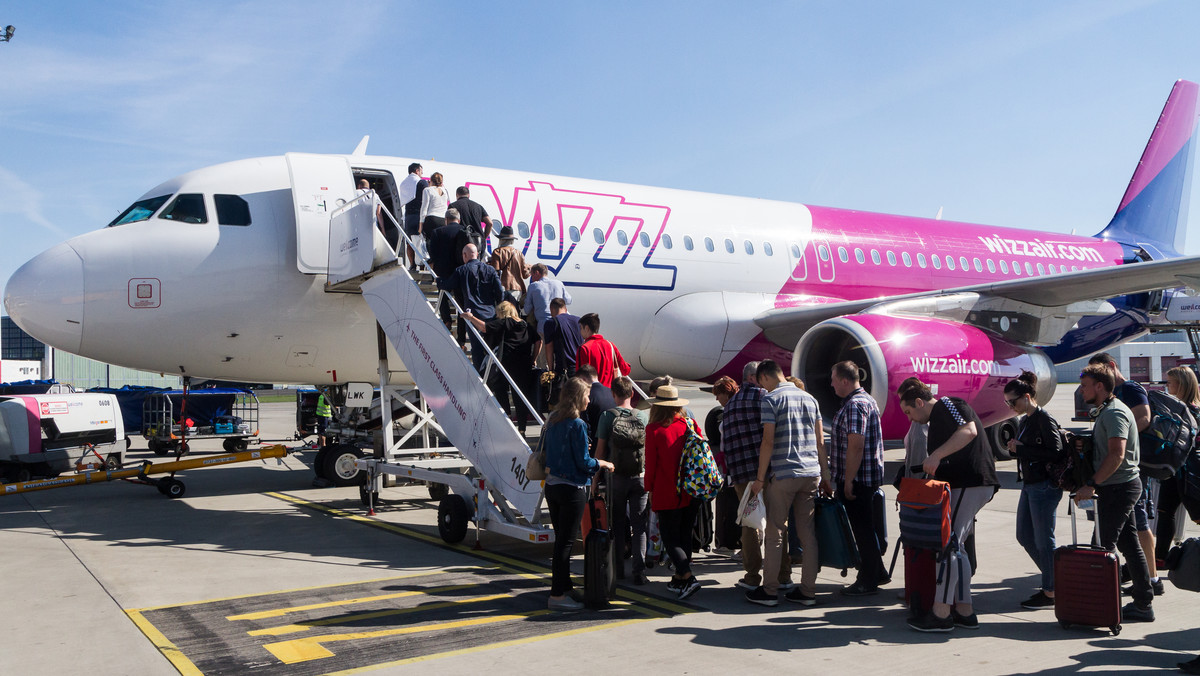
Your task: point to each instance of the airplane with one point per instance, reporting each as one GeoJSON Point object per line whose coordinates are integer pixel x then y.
{"type": "Point", "coordinates": [222, 273]}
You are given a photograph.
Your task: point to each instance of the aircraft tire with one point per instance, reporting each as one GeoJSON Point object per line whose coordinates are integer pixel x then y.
{"type": "Point", "coordinates": [338, 465]}
{"type": "Point", "coordinates": [999, 435]}
{"type": "Point", "coordinates": [453, 518]}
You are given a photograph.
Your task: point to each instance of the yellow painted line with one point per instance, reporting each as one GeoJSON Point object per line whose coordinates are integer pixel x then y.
{"type": "Point", "coordinates": [306, 649]}
{"type": "Point", "coordinates": [280, 612]}
{"type": "Point", "coordinates": [164, 645]}
{"type": "Point", "coordinates": [480, 648]}
{"type": "Point", "coordinates": [427, 573]}
{"type": "Point", "coordinates": [305, 626]}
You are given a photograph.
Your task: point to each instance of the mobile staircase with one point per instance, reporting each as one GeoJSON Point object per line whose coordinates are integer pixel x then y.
{"type": "Point", "coordinates": [485, 481]}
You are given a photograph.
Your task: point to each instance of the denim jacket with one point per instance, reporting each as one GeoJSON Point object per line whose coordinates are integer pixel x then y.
{"type": "Point", "coordinates": [567, 454]}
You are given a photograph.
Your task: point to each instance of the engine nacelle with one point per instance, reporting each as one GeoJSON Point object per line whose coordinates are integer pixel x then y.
{"type": "Point", "coordinates": [955, 359]}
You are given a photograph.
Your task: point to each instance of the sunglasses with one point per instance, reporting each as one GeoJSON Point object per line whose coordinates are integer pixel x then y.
{"type": "Point", "coordinates": [1012, 402]}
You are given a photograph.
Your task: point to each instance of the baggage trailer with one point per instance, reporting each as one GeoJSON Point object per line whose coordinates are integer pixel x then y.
{"type": "Point", "coordinates": [48, 434]}
{"type": "Point", "coordinates": [228, 414]}
{"type": "Point", "coordinates": [168, 486]}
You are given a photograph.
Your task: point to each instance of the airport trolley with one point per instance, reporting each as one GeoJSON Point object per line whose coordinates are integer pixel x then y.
{"type": "Point", "coordinates": [171, 418]}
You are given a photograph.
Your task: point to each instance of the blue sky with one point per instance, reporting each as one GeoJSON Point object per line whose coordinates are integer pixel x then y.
{"type": "Point", "coordinates": [1025, 114]}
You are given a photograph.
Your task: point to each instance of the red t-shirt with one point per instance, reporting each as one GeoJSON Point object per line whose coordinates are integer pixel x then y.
{"type": "Point", "coordinates": [599, 353]}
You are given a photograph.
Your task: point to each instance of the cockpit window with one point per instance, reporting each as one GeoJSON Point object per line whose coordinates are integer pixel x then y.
{"type": "Point", "coordinates": [187, 208]}
{"type": "Point", "coordinates": [140, 210]}
{"type": "Point", "coordinates": [231, 210]}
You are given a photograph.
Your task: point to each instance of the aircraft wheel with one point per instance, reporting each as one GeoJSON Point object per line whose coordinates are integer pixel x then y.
{"type": "Point", "coordinates": [113, 461]}
{"type": "Point", "coordinates": [438, 491]}
{"type": "Point", "coordinates": [172, 488]}
{"type": "Point", "coordinates": [157, 447]}
{"type": "Point", "coordinates": [999, 435]}
{"type": "Point", "coordinates": [453, 518]}
{"type": "Point", "coordinates": [338, 465]}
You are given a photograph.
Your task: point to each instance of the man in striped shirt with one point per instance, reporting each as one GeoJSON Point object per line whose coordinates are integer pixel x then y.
{"type": "Point", "coordinates": [856, 462]}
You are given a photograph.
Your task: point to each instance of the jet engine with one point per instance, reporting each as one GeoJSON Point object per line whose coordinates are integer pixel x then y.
{"type": "Point", "coordinates": [953, 358]}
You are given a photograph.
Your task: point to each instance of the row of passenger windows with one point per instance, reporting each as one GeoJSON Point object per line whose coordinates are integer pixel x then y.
{"type": "Point", "coordinates": [187, 208]}
{"type": "Point", "coordinates": [936, 260]}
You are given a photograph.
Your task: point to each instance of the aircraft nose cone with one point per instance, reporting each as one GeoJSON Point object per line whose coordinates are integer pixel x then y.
{"type": "Point", "coordinates": [45, 297]}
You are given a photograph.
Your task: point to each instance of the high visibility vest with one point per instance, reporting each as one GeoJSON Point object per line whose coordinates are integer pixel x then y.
{"type": "Point", "coordinates": [323, 408]}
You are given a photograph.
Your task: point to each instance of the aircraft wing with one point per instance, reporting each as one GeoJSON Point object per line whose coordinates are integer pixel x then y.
{"type": "Point", "coordinates": [1044, 295]}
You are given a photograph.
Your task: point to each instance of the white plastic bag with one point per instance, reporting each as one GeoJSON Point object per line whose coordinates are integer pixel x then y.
{"type": "Point", "coordinates": [752, 513]}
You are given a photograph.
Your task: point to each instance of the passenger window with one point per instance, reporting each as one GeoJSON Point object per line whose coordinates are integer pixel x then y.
{"type": "Point", "coordinates": [891, 258]}
{"type": "Point", "coordinates": [708, 245]}
{"type": "Point", "coordinates": [1050, 267]}
{"type": "Point", "coordinates": [962, 262]}
{"type": "Point", "coordinates": [523, 230]}
{"type": "Point", "coordinates": [859, 256]}
{"type": "Point", "coordinates": [231, 210]}
{"type": "Point", "coordinates": [1029, 268]}
{"type": "Point", "coordinates": [991, 265]}
{"type": "Point", "coordinates": [622, 238]}
{"type": "Point", "coordinates": [1041, 270]}
{"type": "Point", "coordinates": [574, 232]}
{"type": "Point", "coordinates": [843, 254]}
{"type": "Point", "coordinates": [548, 229]}
{"type": "Point", "coordinates": [907, 259]}
{"type": "Point", "coordinates": [186, 209]}
{"type": "Point", "coordinates": [978, 265]}
{"type": "Point", "coordinates": [687, 242]}
{"type": "Point", "coordinates": [1003, 266]}
{"type": "Point", "coordinates": [729, 245]}
{"type": "Point", "coordinates": [937, 262]}
{"type": "Point", "coordinates": [823, 252]}
{"type": "Point", "coordinates": [749, 248]}
{"type": "Point", "coordinates": [644, 238]}
{"type": "Point", "coordinates": [767, 249]}
{"type": "Point", "coordinates": [949, 262]}
{"type": "Point", "coordinates": [1016, 268]}
{"type": "Point", "coordinates": [795, 251]}
{"type": "Point", "coordinates": [140, 210]}
{"type": "Point", "coordinates": [875, 256]}
{"type": "Point", "coordinates": [598, 235]}
{"type": "Point", "coordinates": [666, 240]}
{"type": "Point", "coordinates": [921, 260]}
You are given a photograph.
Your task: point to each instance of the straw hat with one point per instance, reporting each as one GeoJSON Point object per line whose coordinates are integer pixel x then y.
{"type": "Point", "coordinates": [668, 395]}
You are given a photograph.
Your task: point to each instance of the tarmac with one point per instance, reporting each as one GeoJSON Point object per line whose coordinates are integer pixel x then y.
{"type": "Point", "coordinates": [256, 571]}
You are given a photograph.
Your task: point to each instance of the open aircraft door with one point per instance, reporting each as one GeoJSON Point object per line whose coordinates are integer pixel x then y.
{"type": "Point", "coordinates": [320, 184]}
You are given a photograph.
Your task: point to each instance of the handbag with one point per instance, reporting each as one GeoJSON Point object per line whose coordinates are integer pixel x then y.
{"type": "Point", "coordinates": [752, 513]}
{"type": "Point", "coordinates": [535, 467]}
{"type": "Point", "coordinates": [616, 369]}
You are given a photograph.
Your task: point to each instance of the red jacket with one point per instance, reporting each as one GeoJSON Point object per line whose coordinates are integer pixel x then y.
{"type": "Point", "coordinates": [599, 353]}
{"type": "Point", "coordinates": [664, 447]}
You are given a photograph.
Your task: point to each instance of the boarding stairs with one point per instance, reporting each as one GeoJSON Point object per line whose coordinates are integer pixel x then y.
{"type": "Point", "coordinates": [487, 484]}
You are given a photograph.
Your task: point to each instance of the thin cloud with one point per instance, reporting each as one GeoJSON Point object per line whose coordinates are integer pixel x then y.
{"type": "Point", "coordinates": [24, 199]}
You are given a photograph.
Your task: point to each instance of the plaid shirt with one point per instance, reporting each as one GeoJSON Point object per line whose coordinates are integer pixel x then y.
{"type": "Point", "coordinates": [741, 433]}
{"type": "Point", "coordinates": [859, 415]}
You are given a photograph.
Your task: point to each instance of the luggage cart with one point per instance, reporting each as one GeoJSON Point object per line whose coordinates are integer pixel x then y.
{"type": "Point", "coordinates": [227, 414]}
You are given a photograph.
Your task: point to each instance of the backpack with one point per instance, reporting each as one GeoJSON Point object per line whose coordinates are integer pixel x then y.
{"type": "Point", "coordinates": [924, 513]}
{"type": "Point", "coordinates": [627, 442]}
{"type": "Point", "coordinates": [1189, 484]}
{"type": "Point", "coordinates": [474, 236]}
{"type": "Point", "coordinates": [698, 473]}
{"type": "Point", "coordinates": [1075, 466]}
{"type": "Point", "coordinates": [1167, 442]}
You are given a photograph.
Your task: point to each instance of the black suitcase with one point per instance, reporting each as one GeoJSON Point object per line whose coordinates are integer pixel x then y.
{"type": "Point", "coordinates": [702, 531]}
{"type": "Point", "coordinates": [879, 511]}
{"type": "Point", "coordinates": [599, 569]}
{"type": "Point", "coordinates": [727, 532]}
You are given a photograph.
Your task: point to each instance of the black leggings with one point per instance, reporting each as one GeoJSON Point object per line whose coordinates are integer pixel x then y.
{"type": "Point", "coordinates": [675, 526]}
{"type": "Point", "coordinates": [565, 503]}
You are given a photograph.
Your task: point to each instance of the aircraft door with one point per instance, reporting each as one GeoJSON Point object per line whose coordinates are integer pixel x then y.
{"type": "Point", "coordinates": [320, 184]}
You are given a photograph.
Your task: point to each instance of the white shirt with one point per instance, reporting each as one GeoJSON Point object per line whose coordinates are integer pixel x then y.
{"type": "Point", "coordinates": [408, 189]}
{"type": "Point", "coordinates": [433, 204]}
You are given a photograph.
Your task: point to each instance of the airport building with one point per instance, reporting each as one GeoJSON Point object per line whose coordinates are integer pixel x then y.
{"type": "Point", "coordinates": [23, 357]}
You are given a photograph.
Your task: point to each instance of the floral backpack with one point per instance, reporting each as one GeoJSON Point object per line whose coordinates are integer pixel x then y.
{"type": "Point", "coordinates": [699, 476]}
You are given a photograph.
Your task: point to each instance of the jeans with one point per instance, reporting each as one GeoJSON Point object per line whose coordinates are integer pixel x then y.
{"type": "Point", "coordinates": [565, 503]}
{"type": "Point", "coordinates": [1115, 527]}
{"type": "Point", "coordinates": [675, 526]}
{"type": "Point", "coordinates": [861, 512]}
{"type": "Point", "coordinates": [630, 509]}
{"type": "Point", "coordinates": [1035, 526]}
{"type": "Point", "coordinates": [793, 495]}
{"type": "Point", "coordinates": [1164, 527]}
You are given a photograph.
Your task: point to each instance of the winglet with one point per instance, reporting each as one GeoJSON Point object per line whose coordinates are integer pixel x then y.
{"type": "Point", "coordinates": [361, 148]}
{"type": "Point", "coordinates": [1153, 212]}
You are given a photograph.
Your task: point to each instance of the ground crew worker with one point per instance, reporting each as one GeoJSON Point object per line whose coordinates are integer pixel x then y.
{"type": "Point", "coordinates": [324, 415]}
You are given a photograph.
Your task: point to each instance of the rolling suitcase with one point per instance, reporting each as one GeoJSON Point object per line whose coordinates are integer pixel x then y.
{"type": "Point", "coordinates": [702, 530]}
{"type": "Point", "coordinates": [727, 532]}
{"type": "Point", "coordinates": [599, 567]}
{"type": "Point", "coordinates": [835, 539]}
{"type": "Point", "coordinates": [1087, 584]}
{"type": "Point", "coordinates": [594, 516]}
{"type": "Point", "coordinates": [920, 579]}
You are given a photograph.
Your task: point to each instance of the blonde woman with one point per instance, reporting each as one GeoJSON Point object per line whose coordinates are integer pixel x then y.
{"type": "Point", "coordinates": [1181, 384]}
